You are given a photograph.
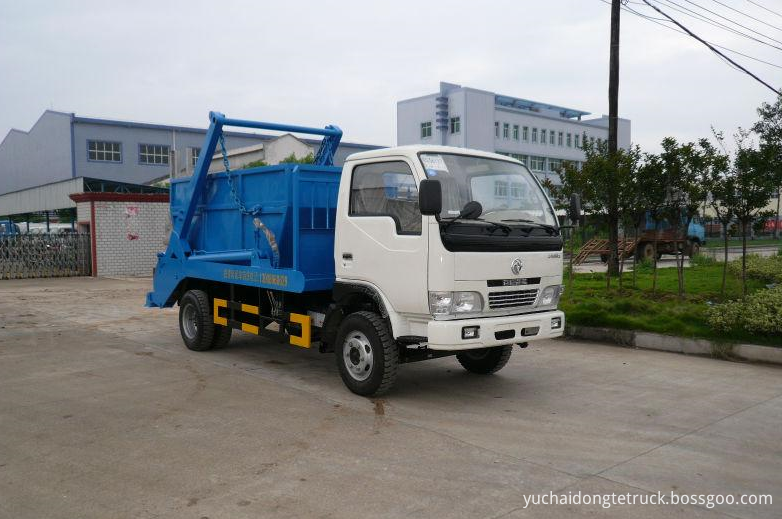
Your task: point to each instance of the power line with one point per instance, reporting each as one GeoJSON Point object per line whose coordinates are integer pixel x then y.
{"type": "Point", "coordinates": [700, 17]}
{"type": "Point", "coordinates": [733, 21]}
{"type": "Point", "coordinates": [747, 15]}
{"type": "Point", "coordinates": [658, 21]}
{"type": "Point", "coordinates": [711, 47]}
{"type": "Point", "coordinates": [765, 8]}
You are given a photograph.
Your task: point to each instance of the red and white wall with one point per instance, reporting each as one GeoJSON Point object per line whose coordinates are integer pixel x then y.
{"type": "Point", "coordinates": [127, 230]}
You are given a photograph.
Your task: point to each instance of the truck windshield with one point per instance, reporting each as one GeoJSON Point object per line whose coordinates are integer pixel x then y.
{"type": "Point", "coordinates": [507, 191]}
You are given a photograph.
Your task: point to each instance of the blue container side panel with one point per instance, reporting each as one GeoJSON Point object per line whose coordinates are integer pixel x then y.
{"type": "Point", "coordinates": [317, 215]}
{"type": "Point", "coordinates": [268, 192]}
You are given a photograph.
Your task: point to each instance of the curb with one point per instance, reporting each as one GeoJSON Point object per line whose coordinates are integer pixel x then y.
{"type": "Point", "coordinates": [659, 342]}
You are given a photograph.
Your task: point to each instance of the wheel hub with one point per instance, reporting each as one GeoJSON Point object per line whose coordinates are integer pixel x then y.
{"type": "Point", "coordinates": [358, 355]}
{"type": "Point", "coordinates": [190, 322]}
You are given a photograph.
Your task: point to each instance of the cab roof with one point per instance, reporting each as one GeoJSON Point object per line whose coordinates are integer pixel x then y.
{"type": "Point", "coordinates": [412, 150]}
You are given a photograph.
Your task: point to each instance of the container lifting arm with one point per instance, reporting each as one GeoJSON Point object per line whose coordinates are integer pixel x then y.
{"type": "Point", "coordinates": [195, 189]}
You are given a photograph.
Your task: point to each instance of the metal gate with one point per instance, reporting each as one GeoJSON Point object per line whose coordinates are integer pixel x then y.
{"type": "Point", "coordinates": [44, 255]}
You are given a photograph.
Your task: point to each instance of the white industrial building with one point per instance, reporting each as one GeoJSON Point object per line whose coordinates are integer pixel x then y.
{"type": "Point", "coordinates": [540, 135]}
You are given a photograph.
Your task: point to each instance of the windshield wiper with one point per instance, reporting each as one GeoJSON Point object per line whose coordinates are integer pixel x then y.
{"type": "Point", "coordinates": [543, 225]}
{"type": "Point", "coordinates": [494, 225]}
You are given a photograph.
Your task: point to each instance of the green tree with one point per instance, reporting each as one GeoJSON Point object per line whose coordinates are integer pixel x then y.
{"type": "Point", "coordinates": [686, 170]}
{"type": "Point", "coordinates": [755, 183]}
{"type": "Point", "coordinates": [606, 184]}
{"type": "Point", "coordinates": [654, 186]}
{"type": "Point", "coordinates": [721, 184]}
{"type": "Point", "coordinates": [769, 128]}
{"type": "Point", "coordinates": [292, 159]}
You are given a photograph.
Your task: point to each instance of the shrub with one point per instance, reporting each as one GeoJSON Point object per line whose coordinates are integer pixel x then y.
{"type": "Point", "coordinates": [767, 269]}
{"type": "Point", "coordinates": [760, 312]}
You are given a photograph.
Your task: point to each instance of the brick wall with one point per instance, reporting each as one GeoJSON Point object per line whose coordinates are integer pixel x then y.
{"type": "Point", "coordinates": [128, 231]}
{"type": "Point", "coordinates": [128, 237]}
{"type": "Point", "coordinates": [83, 212]}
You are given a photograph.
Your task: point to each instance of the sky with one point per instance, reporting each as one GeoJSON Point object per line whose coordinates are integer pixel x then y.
{"type": "Point", "coordinates": [348, 62]}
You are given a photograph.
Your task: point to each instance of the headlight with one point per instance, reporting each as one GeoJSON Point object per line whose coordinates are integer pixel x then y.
{"type": "Point", "coordinates": [444, 303]}
{"type": "Point", "coordinates": [550, 296]}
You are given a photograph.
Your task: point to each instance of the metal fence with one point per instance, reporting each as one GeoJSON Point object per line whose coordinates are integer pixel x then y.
{"type": "Point", "coordinates": [44, 255]}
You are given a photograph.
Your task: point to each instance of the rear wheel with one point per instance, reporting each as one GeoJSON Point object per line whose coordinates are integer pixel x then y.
{"type": "Point", "coordinates": [693, 249]}
{"type": "Point", "coordinates": [222, 336]}
{"type": "Point", "coordinates": [367, 356]}
{"type": "Point", "coordinates": [195, 321]}
{"type": "Point", "coordinates": [645, 251]}
{"type": "Point", "coordinates": [485, 361]}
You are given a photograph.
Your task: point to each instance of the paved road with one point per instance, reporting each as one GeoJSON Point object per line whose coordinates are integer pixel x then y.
{"type": "Point", "coordinates": [104, 414]}
{"type": "Point", "coordinates": [593, 264]}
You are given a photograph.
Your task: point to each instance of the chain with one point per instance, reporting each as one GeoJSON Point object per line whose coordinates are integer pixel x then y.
{"type": "Point", "coordinates": [229, 176]}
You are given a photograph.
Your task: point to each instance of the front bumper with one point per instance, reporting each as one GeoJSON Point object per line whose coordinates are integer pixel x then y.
{"type": "Point", "coordinates": [493, 331]}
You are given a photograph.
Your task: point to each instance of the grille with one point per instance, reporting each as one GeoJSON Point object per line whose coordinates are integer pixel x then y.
{"type": "Point", "coordinates": [512, 298]}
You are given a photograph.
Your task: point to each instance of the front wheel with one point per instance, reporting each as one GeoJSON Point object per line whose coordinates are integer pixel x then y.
{"type": "Point", "coordinates": [367, 355]}
{"type": "Point", "coordinates": [485, 361]}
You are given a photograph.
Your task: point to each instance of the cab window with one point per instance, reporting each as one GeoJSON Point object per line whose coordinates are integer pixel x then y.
{"type": "Point", "coordinates": [386, 189]}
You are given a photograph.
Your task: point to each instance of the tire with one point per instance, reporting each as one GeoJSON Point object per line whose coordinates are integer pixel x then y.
{"type": "Point", "coordinates": [645, 251]}
{"type": "Point", "coordinates": [222, 336]}
{"type": "Point", "coordinates": [604, 258]}
{"type": "Point", "coordinates": [366, 353]}
{"type": "Point", "coordinates": [195, 321]}
{"type": "Point", "coordinates": [693, 249]}
{"type": "Point", "coordinates": [485, 361]}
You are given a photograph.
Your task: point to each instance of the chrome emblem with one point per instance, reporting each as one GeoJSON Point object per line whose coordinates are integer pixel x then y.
{"type": "Point", "coordinates": [516, 266]}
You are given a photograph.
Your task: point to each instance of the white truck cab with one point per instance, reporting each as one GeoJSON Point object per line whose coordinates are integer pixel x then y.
{"type": "Point", "coordinates": [461, 247]}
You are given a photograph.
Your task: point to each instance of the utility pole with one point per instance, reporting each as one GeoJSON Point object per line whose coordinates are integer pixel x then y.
{"type": "Point", "coordinates": [613, 123]}
{"type": "Point", "coordinates": [613, 79]}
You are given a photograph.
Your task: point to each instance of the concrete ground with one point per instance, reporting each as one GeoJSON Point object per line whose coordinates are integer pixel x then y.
{"type": "Point", "coordinates": [104, 413]}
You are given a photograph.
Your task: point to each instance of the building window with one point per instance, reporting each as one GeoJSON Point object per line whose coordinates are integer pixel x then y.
{"type": "Point", "coordinates": [497, 129]}
{"type": "Point", "coordinates": [537, 163]}
{"type": "Point", "coordinates": [569, 140]}
{"type": "Point", "coordinates": [534, 135]}
{"type": "Point", "coordinates": [516, 189]}
{"type": "Point", "coordinates": [521, 158]}
{"type": "Point", "coordinates": [104, 151]}
{"type": "Point", "coordinates": [500, 189]}
{"type": "Point", "coordinates": [505, 131]}
{"type": "Point", "coordinates": [560, 138]}
{"type": "Point", "coordinates": [426, 129]}
{"type": "Point", "coordinates": [386, 189]}
{"type": "Point", "coordinates": [515, 132]}
{"type": "Point", "coordinates": [554, 165]}
{"type": "Point", "coordinates": [157, 154]}
{"type": "Point", "coordinates": [456, 124]}
{"type": "Point", "coordinates": [525, 134]}
{"type": "Point", "coordinates": [194, 153]}
{"type": "Point", "coordinates": [551, 137]}
{"type": "Point", "coordinates": [543, 136]}
{"type": "Point", "coordinates": [577, 139]}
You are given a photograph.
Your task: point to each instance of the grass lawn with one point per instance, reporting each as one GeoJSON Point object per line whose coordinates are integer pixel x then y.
{"type": "Point", "coordinates": [588, 303]}
{"type": "Point", "coordinates": [719, 243]}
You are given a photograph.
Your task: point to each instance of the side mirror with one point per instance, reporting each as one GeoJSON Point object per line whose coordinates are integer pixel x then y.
{"type": "Point", "coordinates": [430, 197]}
{"type": "Point", "coordinates": [575, 208]}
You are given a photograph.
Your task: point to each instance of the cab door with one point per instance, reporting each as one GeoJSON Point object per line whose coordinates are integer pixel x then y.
{"type": "Point", "coordinates": [381, 238]}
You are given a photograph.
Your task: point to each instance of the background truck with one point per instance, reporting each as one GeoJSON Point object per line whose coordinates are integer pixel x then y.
{"type": "Point", "coordinates": [8, 227]}
{"type": "Point", "coordinates": [404, 254]}
{"type": "Point", "coordinates": [662, 234]}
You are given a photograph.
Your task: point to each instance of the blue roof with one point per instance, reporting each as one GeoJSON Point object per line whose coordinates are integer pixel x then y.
{"type": "Point", "coordinates": [534, 106]}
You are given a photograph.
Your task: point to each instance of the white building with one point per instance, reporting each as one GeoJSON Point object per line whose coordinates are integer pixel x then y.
{"type": "Point", "coordinates": [540, 135]}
